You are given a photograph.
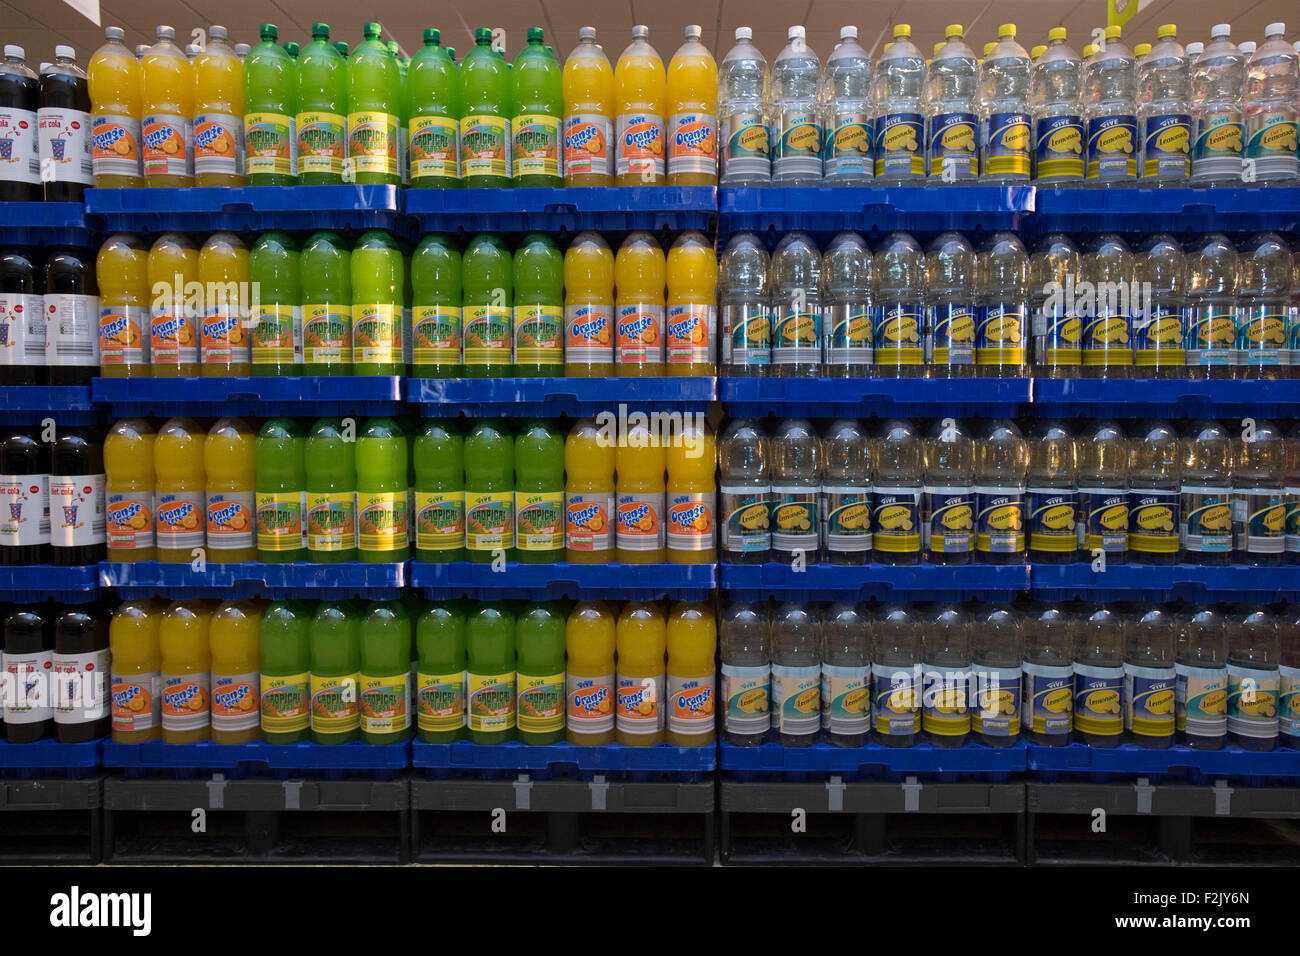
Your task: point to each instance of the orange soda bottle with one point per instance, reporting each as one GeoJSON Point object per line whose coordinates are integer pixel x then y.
{"type": "Point", "coordinates": [167, 87]}
{"type": "Point", "coordinates": [128, 490]}
{"type": "Point", "coordinates": [136, 672]}
{"type": "Point", "coordinates": [224, 347]}
{"type": "Point", "coordinates": [640, 466]}
{"type": "Point", "coordinates": [589, 674]}
{"type": "Point", "coordinates": [186, 672]}
{"type": "Point", "coordinates": [179, 503]}
{"type": "Point", "coordinates": [588, 84]}
{"type": "Point", "coordinates": [229, 485]}
{"type": "Point", "coordinates": [588, 495]}
{"type": "Point", "coordinates": [693, 114]}
{"type": "Point", "coordinates": [173, 270]}
{"type": "Point", "coordinates": [218, 114]}
{"type": "Point", "coordinates": [236, 647]}
{"type": "Point", "coordinates": [588, 307]}
{"type": "Point", "coordinates": [641, 640]}
{"type": "Point", "coordinates": [122, 269]}
{"type": "Point", "coordinates": [639, 271]}
{"type": "Point", "coordinates": [114, 81]}
{"type": "Point", "coordinates": [692, 694]}
{"type": "Point", "coordinates": [641, 94]}
{"type": "Point", "coordinates": [691, 342]}
{"type": "Point", "coordinates": [692, 495]}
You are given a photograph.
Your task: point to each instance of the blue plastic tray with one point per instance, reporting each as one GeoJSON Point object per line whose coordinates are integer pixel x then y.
{"type": "Point", "coordinates": [32, 404]}
{"type": "Point", "coordinates": [241, 208]}
{"type": "Point", "coordinates": [49, 757]}
{"type": "Point", "coordinates": [917, 582]}
{"type": "Point", "coordinates": [1170, 582]}
{"type": "Point", "coordinates": [259, 757]}
{"type": "Point", "coordinates": [1165, 398]}
{"type": "Point", "coordinates": [548, 397]}
{"type": "Point", "coordinates": [376, 582]}
{"type": "Point", "coordinates": [45, 224]}
{"type": "Point", "coordinates": [32, 583]}
{"type": "Point", "coordinates": [1178, 762]}
{"type": "Point", "coordinates": [545, 582]}
{"type": "Point", "coordinates": [463, 758]}
{"type": "Point", "coordinates": [608, 209]}
{"type": "Point", "coordinates": [872, 760]}
{"type": "Point", "coordinates": [1178, 210]}
{"type": "Point", "coordinates": [849, 397]}
{"type": "Point", "coordinates": [252, 395]}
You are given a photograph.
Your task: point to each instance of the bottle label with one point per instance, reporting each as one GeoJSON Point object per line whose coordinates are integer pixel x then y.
{"type": "Point", "coordinates": [539, 334]}
{"type": "Point", "coordinates": [797, 149]}
{"type": "Point", "coordinates": [900, 146]}
{"type": "Point", "coordinates": [640, 704]}
{"type": "Point", "coordinates": [372, 142]}
{"type": "Point", "coordinates": [222, 340]}
{"type": "Point", "coordinates": [1293, 520]}
{"type": "Point", "coordinates": [691, 704]}
{"type": "Point", "coordinates": [384, 703]}
{"type": "Point", "coordinates": [1058, 147]}
{"type": "Point", "coordinates": [1252, 701]}
{"type": "Point", "coordinates": [377, 333]}
{"type": "Point", "coordinates": [71, 330]}
{"type": "Point", "coordinates": [433, 149]}
{"type": "Point", "coordinates": [797, 337]}
{"type": "Point", "coordinates": [541, 703]}
{"type": "Point", "coordinates": [1058, 337]}
{"type": "Point", "coordinates": [587, 339]}
{"type": "Point", "coordinates": [1288, 704]}
{"type": "Point", "coordinates": [1149, 700]}
{"type": "Point", "coordinates": [439, 520]}
{"type": "Point", "coordinates": [114, 145]}
{"type": "Point", "coordinates": [136, 701]}
{"type": "Point", "coordinates": [539, 520]}
{"type": "Point", "coordinates": [1201, 700]}
{"type": "Point", "coordinates": [587, 138]}
{"type": "Point", "coordinates": [168, 145]}
{"type": "Point", "coordinates": [1167, 146]}
{"type": "Point", "coordinates": [335, 708]}
{"type": "Point", "coordinates": [536, 144]}
{"type": "Point", "coordinates": [327, 334]}
{"type": "Point", "coordinates": [19, 146]}
{"type": "Point", "coordinates": [488, 339]}
{"type": "Point", "coordinates": [945, 701]}
{"type": "Point", "coordinates": [748, 149]}
{"type": "Point", "coordinates": [234, 701]}
{"type": "Point", "coordinates": [640, 521]}
{"type": "Point", "coordinates": [440, 701]}
{"type": "Point", "coordinates": [279, 520]}
{"type": "Point", "coordinates": [489, 520]}
{"type": "Point", "coordinates": [80, 684]}
{"type": "Point", "coordinates": [850, 138]}
{"type": "Point", "coordinates": [1000, 526]}
{"type": "Point", "coordinates": [747, 690]}
{"type": "Point", "coordinates": [286, 703]}
{"type": "Point", "coordinates": [898, 334]}
{"type": "Point", "coordinates": [1106, 337]}
{"type": "Point", "coordinates": [276, 338]}
{"type": "Point", "coordinates": [22, 329]}
{"type": "Point", "coordinates": [1104, 519]}
{"type": "Point", "coordinates": [1000, 338]}
{"type": "Point", "coordinates": [1271, 133]}
{"type": "Point", "coordinates": [186, 700]}
{"type": "Point", "coordinates": [640, 152]}
{"type": "Point", "coordinates": [1005, 138]}
{"type": "Point", "coordinates": [640, 333]}
{"type": "Point", "coordinates": [590, 704]}
{"type": "Point", "coordinates": [218, 144]}
{"type": "Point", "coordinates": [897, 520]}
{"type": "Point", "coordinates": [1158, 336]}
{"type": "Point", "coordinates": [1112, 148]}
{"type": "Point", "coordinates": [589, 520]}
{"type": "Point", "coordinates": [1219, 136]}
{"type": "Point", "coordinates": [128, 517]}
{"type": "Point", "coordinates": [76, 510]}
{"type": "Point", "coordinates": [331, 522]}
{"type": "Point", "coordinates": [948, 520]}
{"type": "Point", "coordinates": [1259, 521]}
{"type": "Point", "coordinates": [122, 338]}
{"type": "Point", "coordinates": [1052, 516]}
{"type": "Point", "coordinates": [1049, 698]}
{"type": "Point", "coordinates": [846, 699]}
{"type": "Point", "coordinates": [1098, 694]}
{"type": "Point", "coordinates": [436, 335]}
{"type": "Point", "coordinates": [1262, 335]}
{"type": "Point", "coordinates": [230, 520]}
{"type": "Point", "coordinates": [690, 520]}
{"type": "Point", "coordinates": [173, 336]}
{"type": "Point", "coordinates": [848, 518]}
{"type": "Point", "coordinates": [950, 335]}
{"type": "Point", "coordinates": [896, 700]}
{"type": "Point", "coordinates": [272, 144]}
{"type": "Point", "coordinates": [953, 145]}
{"type": "Point", "coordinates": [1206, 519]}
{"type": "Point", "coordinates": [747, 527]}
{"type": "Point", "coordinates": [689, 337]}
{"type": "Point", "coordinates": [794, 518]}
{"type": "Point", "coordinates": [693, 143]}
{"type": "Point", "coordinates": [382, 521]}
{"type": "Point", "coordinates": [322, 141]}
{"type": "Point", "coordinates": [746, 334]}
{"type": "Point", "coordinates": [26, 687]}
{"type": "Point", "coordinates": [485, 145]}
{"type": "Point", "coordinates": [796, 695]}
{"type": "Point", "coordinates": [850, 334]}
{"type": "Point", "coordinates": [64, 143]}
{"type": "Point", "coordinates": [1211, 335]}
{"type": "Point", "coordinates": [1153, 520]}
{"type": "Point", "coordinates": [997, 701]}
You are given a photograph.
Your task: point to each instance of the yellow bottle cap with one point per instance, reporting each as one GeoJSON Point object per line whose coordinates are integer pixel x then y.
{"type": "Point", "coordinates": [1007, 30]}
{"type": "Point", "coordinates": [1037, 51]}
{"type": "Point", "coordinates": [1056, 33]}
{"type": "Point", "coordinates": [1167, 30]}
{"type": "Point", "coordinates": [1112, 33]}
{"type": "Point", "coordinates": [988, 47]}
{"type": "Point", "coordinates": [938, 46]}
{"type": "Point", "coordinates": [888, 45]}
{"type": "Point", "coordinates": [1142, 49]}
{"type": "Point", "coordinates": [902, 30]}
{"type": "Point", "coordinates": [1089, 50]}
{"type": "Point", "coordinates": [952, 30]}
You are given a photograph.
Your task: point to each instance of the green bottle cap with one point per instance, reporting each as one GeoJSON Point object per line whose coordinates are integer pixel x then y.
{"type": "Point", "coordinates": [372, 31]}
{"type": "Point", "coordinates": [391, 47]}
{"type": "Point", "coordinates": [267, 31]}
{"type": "Point", "coordinates": [451, 53]}
{"type": "Point", "coordinates": [534, 34]}
{"type": "Point", "coordinates": [432, 37]}
{"type": "Point", "coordinates": [342, 47]}
{"type": "Point", "coordinates": [320, 31]}
{"type": "Point", "coordinates": [482, 36]}
{"type": "Point", "coordinates": [291, 48]}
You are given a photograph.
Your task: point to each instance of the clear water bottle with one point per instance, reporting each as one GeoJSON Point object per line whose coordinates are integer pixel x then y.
{"type": "Point", "coordinates": [1003, 330]}
{"type": "Point", "coordinates": [1212, 275]}
{"type": "Point", "coordinates": [1099, 676]}
{"type": "Point", "coordinates": [1272, 98]}
{"type": "Point", "coordinates": [846, 492]}
{"type": "Point", "coordinates": [1049, 673]}
{"type": "Point", "coordinates": [1103, 492]}
{"type": "Point", "coordinates": [1201, 676]}
{"type": "Point", "coordinates": [796, 126]}
{"type": "Point", "coordinates": [846, 674]}
{"type": "Point", "coordinates": [846, 307]}
{"type": "Point", "coordinates": [998, 651]}
{"type": "Point", "coordinates": [948, 499]}
{"type": "Point", "coordinates": [745, 646]}
{"type": "Point", "coordinates": [897, 467]}
{"type": "Point", "coordinates": [945, 690]}
{"type": "Point", "coordinates": [1001, 466]}
{"type": "Point", "coordinates": [1052, 495]}
{"type": "Point", "coordinates": [1055, 323]}
{"type": "Point", "coordinates": [1164, 111]}
{"type": "Point", "coordinates": [1055, 100]}
{"type": "Point", "coordinates": [898, 287]}
{"type": "Point", "coordinates": [742, 99]}
{"type": "Point", "coordinates": [845, 93]}
{"type": "Point", "coordinates": [796, 492]}
{"type": "Point", "coordinates": [1218, 78]}
{"type": "Point", "coordinates": [952, 127]}
{"type": "Point", "coordinates": [898, 105]}
{"type": "Point", "coordinates": [744, 479]}
{"type": "Point", "coordinates": [796, 307]}
{"type": "Point", "coordinates": [1108, 266]}
{"type": "Point", "coordinates": [950, 310]}
{"type": "Point", "coordinates": [1258, 498]}
{"type": "Point", "coordinates": [1205, 535]}
{"type": "Point", "coordinates": [1263, 301]}
{"type": "Point", "coordinates": [1160, 312]}
{"type": "Point", "coordinates": [895, 672]}
{"type": "Point", "coordinates": [1254, 645]}
{"type": "Point", "coordinates": [744, 298]}
{"type": "Point", "coordinates": [1110, 109]}
{"type": "Point", "coordinates": [1154, 496]}
{"type": "Point", "coordinates": [1150, 679]}
{"type": "Point", "coordinates": [796, 674]}
{"type": "Point", "coordinates": [1004, 110]}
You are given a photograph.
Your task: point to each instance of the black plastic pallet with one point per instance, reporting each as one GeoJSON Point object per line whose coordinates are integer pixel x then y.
{"type": "Point", "coordinates": [859, 822]}
{"type": "Point", "coordinates": [51, 820]}
{"type": "Point", "coordinates": [598, 821]}
{"type": "Point", "coordinates": [256, 820]}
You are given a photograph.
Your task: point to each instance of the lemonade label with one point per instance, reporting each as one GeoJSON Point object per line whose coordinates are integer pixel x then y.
{"type": "Point", "coordinates": [747, 692]}
{"type": "Point", "coordinates": [1001, 335]}
{"type": "Point", "coordinates": [382, 521]}
{"type": "Point", "coordinates": [640, 146]}
{"type": "Point", "coordinates": [1049, 698]}
{"type": "Point", "coordinates": [1158, 335]}
{"type": "Point", "coordinates": [489, 520]}
{"type": "Point", "coordinates": [587, 150]}
{"type": "Point", "coordinates": [326, 334]}
{"type": "Point", "coordinates": [900, 146]}
{"type": "Point", "coordinates": [692, 143]}
{"type": "Point", "coordinates": [539, 334]}
{"type": "Point", "coordinates": [279, 520]}
{"type": "Point", "coordinates": [114, 146]}
{"type": "Point", "coordinates": [589, 521]}
{"type": "Point", "coordinates": [1005, 140]}
{"type": "Point", "coordinates": [230, 520]}
{"type": "Point", "coordinates": [1292, 517]}
{"type": "Point", "coordinates": [173, 336]}
{"type": "Point", "coordinates": [484, 145]}
{"type": "Point", "coordinates": [1206, 519]}
{"type": "Point", "coordinates": [384, 703]}
{"type": "Point", "coordinates": [1106, 336]}
{"type": "Point", "coordinates": [1263, 333]}
{"type": "Point", "coordinates": [1167, 146]}
{"type": "Point", "coordinates": [898, 334]}
{"type": "Point", "coordinates": [640, 704]}
{"type": "Point", "coordinates": [1000, 522]}
{"type": "Point", "coordinates": [168, 143]}
{"type": "Point", "coordinates": [286, 703]}
{"type": "Point", "coordinates": [1112, 148]}
{"type": "Point", "coordinates": [331, 521]}
{"type": "Point", "coordinates": [639, 337]}
{"type": "Point", "coordinates": [1098, 694]}
{"type": "Point", "coordinates": [1219, 135]}
{"type": "Point", "coordinates": [221, 337]}
{"type": "Point", "coordinates": [588, 334]}
{"type": "Point", "coordinates": [185, 701]}
{"type": "Point", "coordinates": [439, 520]}
{"type": "Point", "coordinates": [1252, 702]}
{"type": "Point", "coordinates": [796, 697]}
{"type": "Point", "coordinates": [539, 520]}
{"type": "Point", "coordinates": [377, 333]}
{"type": "Point", "coordinates": [794, 518]}
{"type": "Point", "coordinates": [1103, 520]}
{"type": "Point", "coordinates": [850, 334]}
{"type": "Point", "coordinates": [322, 140]}
{"type": "Point", "coordinates": [1259, 521]}
{"type": "Point", "coordinates": [797, 145]}
{"type": "Point", "coordinates": [535, 144]}
{"type": "Point", "coordinates": [746, 525]}
{"type": "Point", "coordinates": [277, 334]}
{"type": "Point", "coordinates": [372, 142]}
{"type": "Point", "coordinates": [1211, 335]}
{"type": "Point", "coordinates": [846, 699]}
{"type": "Point", "coordinates": [1154, 520]}
{"type": "Point", "coordinates": [896, 700]}
{"type": "Point", "coordinates": [128, 516]}
{"type": "Point", "coordinates": [747, 149]}
{"type": "Point", "coordinates": [76, 510]}
{"type": "Point", "coordinates": [1271, 133]}
{"type": "Point", "coordinates": [433, 148]}
{"type": "Point", "coordinates": [1051, 515]}
{"type": "Point", "coordinates": [136, 701]}
{"type": "Point", "coordinates": [996, 704]}
{"type": "Point", "coordinates": [541, 703]}
{"type": "Point", "coordinates": [436, 335]}
{"type": "Point", "coordinates": [689, 336]}
{"type": "Point", "coordinates": [440, 701]}
{"type": "Point", "coordinates": [122, 335]}
{"type": "Point", "coordinates": [953, 140]}
{"type": "Point", "coordinates": [1058, 147]}
{"type": "Point", "coordinates": [1149, 700]}
{"type": "Point", "coordinates": [948, 520]}
{"type": "Point", "coordinates": [690, 520]}
{"type": "Point", "coordinates": [1058, 336]}
{"type": "Point", "coordinates": [234, 701]}
{"type": "Point", "coordinates": [896, 518]}
{"type": "Point", "coordinates": [218, 144]}
{"type": "Point", "coordinates": [181, 520]}
{"type": "Point", "coordinates": [946, 701]}
{"type": "Point", "coordinates": [797, 336]}
{"type": "Point", "coordinates": [848, 518]}
{"type": "Point", "coordinates": [1288, 705]}
{"type": "Point", "coordinates": [850, 140]}
{"type": "Point", "coordinates": [22, 329]}
{"type": "Point", "coordinates": [272, 143]}
{"type": "Point", "coordinates": [691, 704]}
{"type": "Point", "coordinates": [950, 335]}
{"type": "Point", "coordinates": [335, 708]}
{"type": "Point", "coordinates": [589, 704]}
{"type": "Point", "coordinates": [640, 521]}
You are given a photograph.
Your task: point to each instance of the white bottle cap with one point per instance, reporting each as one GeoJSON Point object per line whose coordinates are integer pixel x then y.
{"type": "Point", "coordinates": [586, 33]}
{"type": "Point", "coordinates": [1195, 48]}
{"type": "Point", "coordinates": [744, 33]}
{"type": "Point", "coordinates": [694, 32]}
{"type": "Point", "coordinates": [64, 53]}
{"type": "Point", "coordinates": [1274, 30]}
{"type": "Point", "coordinates": [166, 33]}
{"type": "Point", "coordinates": [44, 67]}
{"type": "Point", "coordinates": [115, 33]}
{"type": "Point", "coordinates": [795, 33]}
{"type": "Point", "coordinates": [848, 33]}
{"type": "Point", "coordinates": [1247, 47]}
{"type": "Point", "coordinates": [217, 33]}
{"type": "Point", "coordinates": [14, 51]}
{"type": "Point", "coordinates": [1220, 30]}
{"type": "Point", "coordinates": [641, 32]}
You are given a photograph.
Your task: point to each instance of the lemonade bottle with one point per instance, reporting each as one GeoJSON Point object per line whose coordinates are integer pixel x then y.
{"type": "Point", "coordinates": [490, 677]}
{"type": "Point", "coordinates": [385, 673]}
{"type": "Point", "coordinates": [439, 454]}
{"type": "Point", "coordinates": [539, 657]}
{"type": "Point", "coordinates": [433, 86]}
{"type": "Point", "coordinates": [690, 343]}
{"type": "Point", "coordinates": [382, 485]}
{"type": "Point", "coordinates": [539, 493]}
{"type": "Point", "coordinates": [270, 125]}
{"type": "Point", "coordinates": [235, 641]}
{"type": "Point", "coordinates": [589, 495]}
{"type": "Point", "coordinates": [275, 335]}
{"type": "Point", "coordinates": [325, 271]}
{"type": "Point", "coordinates": [489, 491]}
{"type": "Point", "coordinates": [285, 639]}
{"type": "Point", "coordinates": [223, 272]}
{"type": "Point", "coordinates": [173, 274]}
{"type": "Point", "coordinates": [136, 672]}
{"type": "Point", "coordinates": [692, 640]}
{"type": "Point", "coordinates": [589, 674]}
{"type": "Point", "coordinates": [228, 454]}
{"type": "Point", "coordinates": [641, 91]}
{"type": "Point", "coordinates": [179, 502]}
{"type": "Point", "coordinates": [278, 458]}
{"type": "Point", "coordinates": [378, 278]}
{"type": "Point", "coordinates": [128, 490]}
{"type": "Point", "coordinates": [167, 102]}
{"type": "Point", "coordinates": [538, 307]}
{"type": "Point", "coordinates": [322, 119]}
{"type": "Point", "coordinates": [639, 275]}
{"type": "Point", "coordinates": [115, 112]}
{"type": "Point", "coordinates": [485, 123]}
{"type": "Point", "coordinates": [588, 84]}
{"type": "Point", "coordinates": [374, 96]}
{"type": "Point", "coordinates": [218, 113]}
{"type": "Point", "coordinates": [335, 673]}
{"type": "Point", "coordinates": [488, 275]}
{"type": "Point", "coordinates": [186, 663]}
{"type": "Point", "coordinates": [440, 680]}
{"type": "Point", "coordinates": [436, 318]}
{"type": "Point", "coordinates": [641, 640]}
{"type": "Point", "coordinates": [538, 100]}
{"type": "Point", "coordinates": [124, 300]}
{"type": "Point", "coordinates": [693, 114]}
{"type": "Point", "coordinates": [330, 465]}
{"type": "Point", "coordinates": [640, 465]}
{"type": "Point", "coordinates": [692, 496]}
{"type": "Point", "coordinates": [588, 307]}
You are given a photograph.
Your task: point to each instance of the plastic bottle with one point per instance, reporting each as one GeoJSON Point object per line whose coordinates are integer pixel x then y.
{"type": "Point", "coordinates": [281, 492]}
{"type": "Point", "coordinates": [228, 463]}
{"type": "Point", "coordinates": [384, 681]}
{"type": "Point", "coordinates": [896, 676]}
{"type": "Point", "coordinates": [691, 500]}
{"type": "Point", "coordinates": [640, 464]}
{"type": "Point", "coordinates": [898, 95]}
{"type": "Point", "coordinates": [796, 469]}
{"type": "Point", "coordinates": [1292, 479]}
{"type": "Point", "coordinates": [1056, 104]}
{"type": "Point", "coordinates": [690, 333]}
{"type": "Point", "coordinates": [1110, 109]}
{"type": "Point", "coordinates": [590, 514]}
{"type": "Point", "coordinates": [1003, 110]}
{"type": "Point", "coordinates": [23, 326]}
{"type": "Point", "coordinates": [744, 288]}
{"type": "Point", "coordinates": [1155, 479]}
{"type": "Point", "coordinates": [846, 319]}
{"type": "Point", "coordinates": [796, 674]}
{"type": "Point", "coordinates": [1271, 96]}
{"type": "Point", "coordinates": [539, 650]}
{"type": "Point", "coordinates": [947, 696]}
{"type": "Point", "coordinates": [1056, 323]}
{"type": "Point", "coordinates": [128, 490]}
{"type": "Point", "coordinates": [1213, 273]}
{"type": "Point", "coordinates": [115, 108]}
{"type": "Point", "coordinates": [998, 650]}
{"type": "Point", "coordinates": [589, 641]}
{"type": "Point", "coordinates": [898, 284]}
{"type": "Point", "coordinates": [489, 491]}
{"type": "Point", "coordinates": [1003, 331]}
{"type": "Point", "coordinates": [538, 101]}
{"type": "Point", "coordinates": [745, 648]}
{"type": "Point", "coordinates": [1048, 694]}
{"type": "Point", "coordinates": [71, 312]}
{"type": "Point", "coordinates": [325, 272]}
{"type": "Point", "coordinates": [1160, 313]}
{"type": "Point", "coordinates": [948, 501]}
{"type": "Point", "coordinates": [436, 318]}
{"type": "Point", "coordinates": [744, 455]}
{"type": "Point", "coordinates": [692, 644]}
{"type": "Point", "coordinates": [1099, 677]}
{"type": "Point", "coordinates": [692, 114]}
{"type": "Point", "coordinates": [745, 147]}
{"type": "Point", "coordinates": [275, 334]}
{"type": "Point", "coordinates": [219, 152]}
{"type": "Point", "coordinates": [588, 85]}
{"type": "Point", "coordinates": [1253, 679]}
{"type": "Point", "coordinates": [538, 335]}
{"type": "Point", "coordinates": [440, 678]}
{"type": "Point", "coordinates": [641, 101]}
{"type": "Point", "coordinates": [63, 126]}
{"type": "Point", "coordinates": [846, 493]}
{"type": "Point", "coordinates": [846, 674]}
{"type": "Point", "coordinates": [335, 673]}
{"type": "Point", "coordinates": [796, 337]}
{"type": "Point", "coordinates": [1218, 80]}
{"type": "Point", "coordinates": [272, 103]}
{"type": "Point", "coordinates": [374, 111]}
{"type": "Point", "coordinates": [1164, 112]}
{"type": "Point", "coordinates": [330, 466]}
{"type": "Point", "coordinates": [588, 307]}
{"type": "Point", "coordinates": [321, 121]}
{"type": "Point", "coordinates": [382, 484]}
{"type": "Point", "coordinates": [235, 644]}
{"type": "Point", "coordinates": [284, 639]}
{"type": "Point", "coordinates": [136, 672]}
{"type": "Point", "coordinates": [1103, 521]}
{"type": "Point", "coordinates": [952, 128]}
{"type": "Point", "coordinates": [1001, 464]}
{"type": "Point", "coordinates": [378, 279]}
{"type": "Point", "coordinates": [897, 466]}
{"type": "Point", "coordinates": [167, 102]}
{"type": "Point", "coordinates": [1201, 679]}
{"type": "Point", "coordinates": [1108, 265]}
{"type": "Point", "coordinates": [19, 104]}
{"type": "Point", "coordinates": [640, 277]}
{"type": "Point", "coordinates": [1150, 681]}
{"type": "Point", "coordinates": [539, 492]}
{"type": "Point", "coordinates": [439, 456]}
{"type": "Point", "coordinates": [186, 666]}
{"type": "Point", "coordinates": [1258, 500]}
{"type": "Point", "coordinates": [79, 675]}
{"type": "Point", "coordinates": [1206, 506]}
{"type": "Point", "coordinates": [1288, 681]}
{"type": "Point", "coordinates": [796, 130]}
{"type": "Point", "coordinates": [28, 661]}
{"type": "Point", "coordinates": [488, 290]}
{"type": "Point", "coordinates": [950, 313]}
{"type": "Point", "coordinates": [1052, 501]}
{"type": "Point", "coordinates": [641, 642]}
{"type": "Point", "coordinates": [844, 92]}
{"type": "Point", "coordinates": [434, 88]}
{"type": "Point", "coordinates": [1263, 298]}
{"type": "Point", "coordinates": [179, 501]}
{"type": "Point", "coordinates": [76, 497]}
{"type": "Point", "coordinates": [485, 123]}
{"type": "Point", "coordinates": [223, 271]}
{"type": "Point", "coordinates": [172, 271]}
{"type": "Point", "coordinates": [124, 299]}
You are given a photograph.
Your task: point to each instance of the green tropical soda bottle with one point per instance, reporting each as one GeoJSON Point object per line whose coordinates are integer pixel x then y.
{"type": "Point", "coordinates": [538, 269]}
{"type": "Point", "coordinates": [330, 464]}
{"type": "Point", "coordinates": [382, 518]}
{"type": "Point", "coordinates": [279, 460]}
{"type": "Point", "coordinates": [335, 673]}
{"type": "Point", "coordinates": [539, 493]}
{"type": "Point", "coordinates": [274, 269]}
{"type": "Point", "coordinates": [385, 673]}
{"type": "Point", "coordinates": [322, 110]}
{"type": "Point", "coordinates": [378, 283]}
{"type": "Point", "coordinates": [490, 673]}
{"type": "Point", "coordinates": [489, 491]}
{"type": "Point", "coordinates": [539, 109]}
{"type": "Point", "coordinates": [270, 112]}
{"type": "Point", "coordinates": [485, 123]}
{"type": "Point", "coordinates": [374, 104]}
{"type": "Point", "coordinates": [440, 679]}
{"type": "Point", "coordinates": [286, 673]}
{"type": "Point", "coordinates": [436, 312]}
{"type": "Point", "coordinates": [433, 88]}
{"type": "Point", "coordinates": [439, 453]}
{"type": "Point", "coordinates": [325, 268]}
{"type": "Point", "coordinates": [487, 272]}
{"type": "Point", "coordinates": [539, 662]}
{"type": "Point", "coordinates": [403, 106]}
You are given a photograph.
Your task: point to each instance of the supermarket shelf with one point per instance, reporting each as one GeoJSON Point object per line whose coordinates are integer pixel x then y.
{"type": "Point", "coordinates": [1164, 398]}
{"type": "Point", "coordinates": [463, 758]}
{"type": "Point", "coordinates": [1177, 210]}
{"type": "Point", "coordinates": [579, 397]}
{"type": "Point", "coordinates": [259, 758]}
{"type": "Point", "coordinates": [546, 582]}
{"type": "Point", "coordinates": [846, 397]}
{"type": "Point", "coordinates": [243, 208]}
{"type": "Point", "coordinates": [76, 584]}
{"type": "Point", "coordinates": [772, 760]}
{"type": "Point", "coordinates": [324, 395]}
{"type": "Point", "coordinates": [45, 224]}
{"type": "Point", "coordinates": [1250, 767]}
{"type": "Point", "coordinates": [916, 582]}
{"type": "Point", "coordinates": [1169, 582]}
{"type": "Point", "coordinates": [606, 209]}
{"type": "Point", "coordinates": [51, 820]}
{"type": "Point", "coordinates": [376, 582]}
{"type": "Point", "coordinates": [43, 758]}
{"type": "Point", "coordinates": [30, 405]}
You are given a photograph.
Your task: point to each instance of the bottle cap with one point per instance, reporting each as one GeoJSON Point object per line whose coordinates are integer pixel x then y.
{"type": "Point", "coordinates": [1247, 47]}
{"type": "Point", "coordinates": [242, 50]}
{"type": "Point", "coordinates": [1142, 49]}
{"type": "Point", "coordinates": [1167, 30]}
{"type": "Point", "coordinates": [795, 33]}
{"type": "Point", "coordinates": [44, 67]}
{"type": "Point", "coordinates": [482, 36]}
{"type": "Point", "coordinates": [267, 31]}
{"type": "Point", "coordinates": [902, 30]}
{"type": "Point", "coordinates": [534, 34]}
{"type": "Point", "coordinates": [141, 50]}
{"type": "Point", "coordinates": [1056, 33]}
{"type": "Point", "coordinates": [641, 31]}
{"type": "Point", "coordinates": [1195, 48]}
{"type": "Point", "coordinates": [1089, 50]}
{"type": "Point", "coordinates": [292, 49]}
{"type": "Point", "coordinates": [115, 33]}
{"type": "Point", "coordinates": [694, 32]}
{"type": "Point", "coordinates": [988, 48]}
{"type": "Point", "coordinates": [586, 33]}
{"type": "Point", "coordinates": [12, 50]}
{"type": "Point", "coordinates": [937, 47]}
{"type": "Point", "coordinates": [952, 30]}
{"type": "Point", "coordinates": [320, 31]}
{"type": "Point", "coordinates": [64, 53]}
{"type": "Point", "coordinates": [432, 37]}
{"type": "Point", "coordinates": [888, 45]}
{"type": "Point", "coordinates": [1274, 30]}
{"type": "Point", "coordinates": [1112, 33]}
{"type": "Point", "coordinates": [1220, 30]}
{"type": "Point", "coordinates": [1037, 51]}
{"type": "Point", "coordinates": [744, 33]}
{"type": "Point", "coordinates": [373, 31]}
{"type": "Point", "coordinates": [217, 33]}
{"type": "Point", "coordinates": [1007, 30]}
{"type": "Point", "coordinates": [165, 33]}
{"type": "Point", "coordinates": [451, 53]}
{"type": "Point", "coordinates": [848, 33]}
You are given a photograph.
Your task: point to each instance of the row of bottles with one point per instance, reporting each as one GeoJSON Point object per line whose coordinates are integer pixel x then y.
{"type": "Point", "coordinates": [54, 672]}
{"type": "Point", "coordinates": [994, 674]}
{"type": "Point", "coordinates": [44, 129]}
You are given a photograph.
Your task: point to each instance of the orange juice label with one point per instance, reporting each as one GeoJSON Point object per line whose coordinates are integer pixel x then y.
{"type": "Point", "coordinates": [433, 149]}
{"type": "Point", "coordinates": [589, 521]}
{"type": "Point", "coordinates": [489, 520]}
{"type": "Point", "coordinates": [381, 520]}
{"type": "Point", "coordinates": [640, 337]}
{"type": "Point", "coordinates": [691, 704]}
{"type": "Point", "coordinates": [136, 701]}
{"type": "Point", "coordinates": [384, 703]}
{"type": "Point", "coordinates": [218, 144]}
{"type": "Point", "coordinates": [276, 337]}
{"type": "Point", "coordinates": [588, 338]}
{"type": "Point", "coordinates": [640, 150]}
{"type": "Point", "coordinates": [440, 701]}
{"type": "Point", "coordinates": [640, 522]}
{"type": "Point", "coordinates": [334, 705]}
{"type": "Point", "coordinates": [539, 520]}
{"type": "Point", "coordinates": [590, 704]}
{"type": "Point", "coordinates": [121, 335]}
{"type": "Point", "coordinates": [539, 334]}
{"type": "Point", "coordinates": [692, 143]}
{"type": "Point", "coordinates": [222, 339]}
{"type": "Point", "coordinates": [230, 520]}
{"type": "Point", "coordinates": [331, 520]}
{"type": "Point", "coordinates": [690, 520]}
{"type": "Point", "coordinates": [439, 520]}
{"type": "Point", "coordinates": [180, 520]}
{"type": "Point", "coordinates": [372, 142]}
{"type": "Point", "coordinates": [690, 334]}
{"type": "Point", "coordinates": [286, 703]}
{"type": "Point", "coordinates": [173, 337]}
{"type": "Point", "coordinates": [272, 144]}
{"type": "Point", "coordinates": [640, 704]}
{"type": "Point", "coordinates": [484, 142]}
{"type": "Point", "coordinates": [541, 703]}
{"type": "Point", "coordinates": [326, 334]}
{"type": "Point", "coordinates": [168, 145]}
{"type": "Point", "coordinates": [115, 146]}
{"type": "Point", "coordinates": [377, 333]}
{"type": "Point", "coordinates": [322, 142]}
{"type": "Point", "coordinates": [487, 335]}
{"type": "Point", "coordinates": [436, 335]}
{"type": "Point", "coordinates": [535, 146]}
{"type": "Point", "coordinates": [279, 520]}
{"type": "Point", "coordinates": [185, 701]}
{"type": "Point", "coordinates": [129, 520]}
{"type": "Point", "coordinates": [491, 703]}
{"type": "Point", "coordinates": [587, 149]}
{"type": "Point", "coordinates": [234, 701]}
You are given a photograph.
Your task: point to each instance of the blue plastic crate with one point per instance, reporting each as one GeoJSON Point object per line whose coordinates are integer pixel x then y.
{"type": "Point", "coordinates": [305, 395]}
{"type": "Point", "coordinates": [548, 582]}
{"type": "Point", "coordinates": [46, 224]}
{"type": "Point", "coordinates": [1178, 762]}
{"type": "Point", "coordinates": [304, 580]}
{"type": "Point", "coordinates": [917, 582]}
{"type": "Point", "coordinates": [1164, 398]}
{"type": "Point", "coordinates": [31, 404]}
{"type": "Point", "coordinates": [605, 209]}
{"type": "Point", "coordinates": [44, 758]}
{"type": "Point", "coordinates": [872, 761]}
{"type": "Point", "coordinates": [32, 583]}
{"type": "Point", "coordinates": [548, 397]}
{"type": "Point", "coordinates": [245, 208]}
{"type": "Point", "coordinates": [463, 758]}
{"type": "Point", "coordinates": [259, 759]}
{"type": "Point", "coordinates": [1178, 210]}
{"type": "Point", "coordinates": [1169, 582]}
{"type": "Point", "coordinates": [886, 397]}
